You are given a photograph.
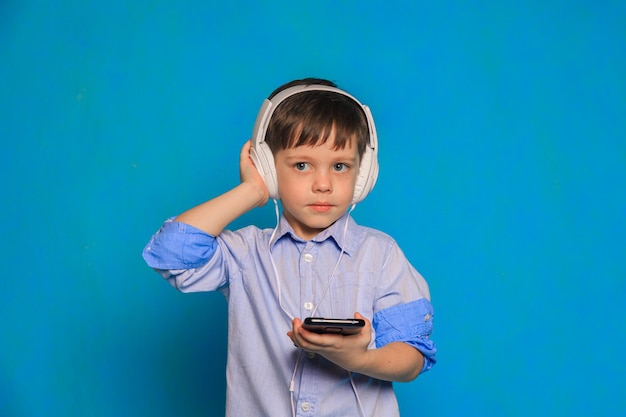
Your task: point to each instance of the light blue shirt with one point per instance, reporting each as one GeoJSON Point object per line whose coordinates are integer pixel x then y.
{"type": "Point", "coordinates": [372, 277]}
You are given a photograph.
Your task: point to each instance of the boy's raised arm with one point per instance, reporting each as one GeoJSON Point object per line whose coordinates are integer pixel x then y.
{"type": "Point", "coordinates": [214, 215]}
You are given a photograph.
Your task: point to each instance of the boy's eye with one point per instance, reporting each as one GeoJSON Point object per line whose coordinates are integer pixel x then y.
{"type": "Point", "coordinates": [301, 166]}
{"type": "Point", "coordinates": [340, 167]}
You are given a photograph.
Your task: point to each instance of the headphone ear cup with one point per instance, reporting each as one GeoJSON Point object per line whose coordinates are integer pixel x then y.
{"type": "Point", "coordinates": [366, 178]}
{"type": "Point", "coordinates": [263, 159]}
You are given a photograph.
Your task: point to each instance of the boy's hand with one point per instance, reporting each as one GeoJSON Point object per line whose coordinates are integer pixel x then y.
{"type": "Point", "coordinates": [248, 173]}
{"type": "Point", "coordinates": [215, 214]}
{"type": "Point", "coordinates": [349, 352]}
{"type": "Point", "coordinates": [395, 361]}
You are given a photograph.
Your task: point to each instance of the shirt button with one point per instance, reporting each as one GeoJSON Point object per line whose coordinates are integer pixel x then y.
{"type": "Point", "coordinates": [305, 406]}
{"type": "Point", "coordinates": [308, 257]}
{"type": "Point", "coordinates": [308, 306]}
{"type": "Point", "coordinates": [310, 355]}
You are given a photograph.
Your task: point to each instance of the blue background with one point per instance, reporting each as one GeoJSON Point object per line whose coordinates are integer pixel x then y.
{"type": "Point", "coordinates": [503, 165]}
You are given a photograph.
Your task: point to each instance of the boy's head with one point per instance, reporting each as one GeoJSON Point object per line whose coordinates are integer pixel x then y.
{"type": "Point", "coordinates": [310, 112]}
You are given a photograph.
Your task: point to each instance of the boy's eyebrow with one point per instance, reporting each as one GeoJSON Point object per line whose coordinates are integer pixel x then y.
{"type": "Point", "coordinates": [350, 158]}
{"type": "Point", "coordinates": [303, 156]}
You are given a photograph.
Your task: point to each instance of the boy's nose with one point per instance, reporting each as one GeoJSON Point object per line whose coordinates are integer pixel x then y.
{"type": "Point", "coordinates": [322, 182]}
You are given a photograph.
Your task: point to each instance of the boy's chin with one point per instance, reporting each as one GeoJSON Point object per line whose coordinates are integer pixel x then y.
{"type": "Point", "coordinates": [309, 230]}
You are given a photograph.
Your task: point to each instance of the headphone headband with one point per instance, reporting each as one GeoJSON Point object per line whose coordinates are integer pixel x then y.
{"type": "Point", "coordinates": [264, 159]}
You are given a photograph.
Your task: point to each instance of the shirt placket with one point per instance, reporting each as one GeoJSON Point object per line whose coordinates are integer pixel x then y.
{"type": "Point", "coordinates": [306, 404]}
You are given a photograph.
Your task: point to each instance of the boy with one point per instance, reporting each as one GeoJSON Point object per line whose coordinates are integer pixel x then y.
{"type": "Point", "coordinates": [313, 147]}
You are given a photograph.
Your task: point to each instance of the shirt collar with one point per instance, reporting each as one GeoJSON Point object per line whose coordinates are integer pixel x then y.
{"type": "Point", "coordinates": [335, 231]}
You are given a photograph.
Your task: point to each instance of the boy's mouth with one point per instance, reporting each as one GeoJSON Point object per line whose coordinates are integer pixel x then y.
{"type": "Point", "coordinates": [321, 207]}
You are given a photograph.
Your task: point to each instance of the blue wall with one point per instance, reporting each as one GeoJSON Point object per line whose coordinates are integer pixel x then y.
{"type": "Point", "coordinates": [503, 177]}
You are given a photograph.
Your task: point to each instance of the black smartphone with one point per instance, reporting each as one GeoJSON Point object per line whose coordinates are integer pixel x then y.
{"type": "Point", "coordinates": [336, 326]}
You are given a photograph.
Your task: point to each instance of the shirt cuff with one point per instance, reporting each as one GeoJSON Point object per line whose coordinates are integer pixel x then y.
{"type": "Point", "coordinates": [179, 246]}
{"type": "Point", "coordinates": [411, 323]}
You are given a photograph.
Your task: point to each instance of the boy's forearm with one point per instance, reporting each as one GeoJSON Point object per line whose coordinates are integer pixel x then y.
{"type": "Point", "coordinates": [214, 215]}
{"type": "Point", "coordinates": [396, 361]}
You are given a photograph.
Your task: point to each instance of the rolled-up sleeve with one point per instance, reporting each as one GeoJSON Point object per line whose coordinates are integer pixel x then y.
{"type": "Point", "coordinates": [411, 323]}
{"type": "Point", "coordinates": [179, 246]}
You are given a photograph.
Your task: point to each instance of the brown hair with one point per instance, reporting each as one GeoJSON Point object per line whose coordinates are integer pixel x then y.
{"type": "Point", "coordinates": [309, 117]}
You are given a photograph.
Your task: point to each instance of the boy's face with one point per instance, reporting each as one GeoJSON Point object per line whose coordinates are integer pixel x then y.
{"type": "Point", "coordinates": [316, 184]}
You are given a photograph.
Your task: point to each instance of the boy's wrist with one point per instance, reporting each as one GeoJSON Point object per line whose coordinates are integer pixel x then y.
{"type": "Point", "coordinates": [258, 195]}
{"type": "Point", "coordinates": [364, 363]}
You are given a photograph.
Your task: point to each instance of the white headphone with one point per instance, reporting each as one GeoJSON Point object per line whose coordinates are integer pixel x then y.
{"type": "Point", "coordinates": [263, 158]}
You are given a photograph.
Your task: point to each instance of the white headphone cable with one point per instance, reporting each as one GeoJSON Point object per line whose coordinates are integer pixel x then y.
{"type": "Point", "coordinates": [356, 394]}
{"type": "Point", "coordinates": [276, 275]}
